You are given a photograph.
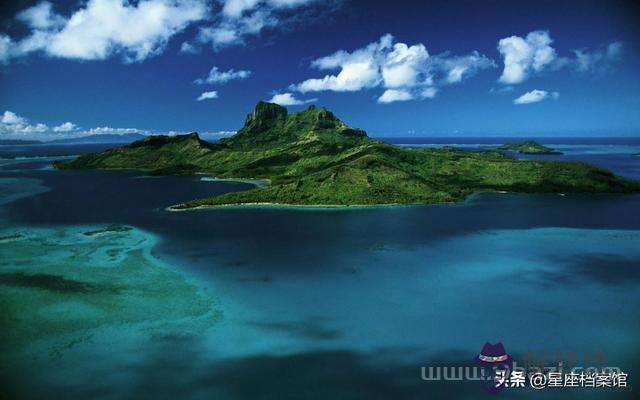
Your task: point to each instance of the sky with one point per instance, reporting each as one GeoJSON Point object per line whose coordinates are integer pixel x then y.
{"type": "Point", "coordinates": [395, 69]}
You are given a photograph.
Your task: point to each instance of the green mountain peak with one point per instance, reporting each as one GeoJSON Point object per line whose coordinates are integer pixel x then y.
{"type": "Point", "coordinates": [162, 140]}
{"type": "Point", "coordinates": [263, 114]}
{"type": "Point", "coordinates": [270, 124]}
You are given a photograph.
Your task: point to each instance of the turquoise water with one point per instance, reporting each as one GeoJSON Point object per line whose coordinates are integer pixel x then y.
{"type": "Point", "coordinates": [341, 304]}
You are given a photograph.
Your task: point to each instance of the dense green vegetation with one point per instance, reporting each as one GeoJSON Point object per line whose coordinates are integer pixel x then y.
{"type": "Point", "coordinates": [529, 147]}
{"type": "Point", "coordinates": [313, 158]}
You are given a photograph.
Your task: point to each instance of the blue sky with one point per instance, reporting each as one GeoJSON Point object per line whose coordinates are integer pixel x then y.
{"type": "Point", "coordinates": [403, 68]}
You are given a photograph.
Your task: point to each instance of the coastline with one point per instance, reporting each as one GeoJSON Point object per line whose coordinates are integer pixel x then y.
{"type": "Point", "coordinates": [259, 183]}
{"type": "Point", "coordinates": [343, 207]}
{"type": "Point", "coordinates": [320, 206]}
{"type": "Point", "coordinates": [295, 206]}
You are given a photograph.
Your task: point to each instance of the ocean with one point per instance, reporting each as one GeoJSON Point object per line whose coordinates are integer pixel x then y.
{"type": "Point", "coordinates": [277, 303]}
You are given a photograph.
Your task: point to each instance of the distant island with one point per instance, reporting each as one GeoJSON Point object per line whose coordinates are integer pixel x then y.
{"type": "Point", "coordinates": [312, 158]}
{"type": "Point", "coordinates": [529, 147]}
{"type": "Point", "coordinates": [18, 142]}
{"type": "Point", "coordinates": [100, 138]}
{"type": "Point", "coordinates": [88, 139]}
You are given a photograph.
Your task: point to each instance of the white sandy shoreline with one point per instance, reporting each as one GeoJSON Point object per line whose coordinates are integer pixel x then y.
{"type": "Point", "coordinates": [298, 206]}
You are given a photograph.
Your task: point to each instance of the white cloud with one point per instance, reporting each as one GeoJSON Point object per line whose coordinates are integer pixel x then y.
{"type": "Point", "coordinates": [239, 19]}
{"type": "Point", "coordinates": [102, 28]}
{"type": "Point", "coordinates": [353, 76]}
{"type": "Point", "coordinates": [456, 69]}
{"type": "Point", "coordinates": [218, 77]}
{"type": "Point", "coordinates": [404, 65]}
{"type": "Point", "coordinates": [11, 118]}
{"type": "Point", "coordinates": [391, 95]}
{"type": "Point", "coordinates": [216, 135]}
{"type": "Point", "coordinates": [235, 8]}
{"type": "Point", "coordinates": [188, 48]}
{"type": "Point", "coordinates": [41, 16]}
{"type": "Point", "coordinates": [28, 128]}
{"type": "Point", "coordinates": [106, 130]}
{"type": "Point", "coordinates": [288, 99]}
{"type": "Point", "coordinates": [6, 48]}
{"type": "Point", "coordinates": [429, 93]}
{"type": "Point", "coordinates": [220, 36]}
{"type": "Point", "coordinates": [139, 29]}
{"type": "Point", "coordinates": [65, 127]}
{"type": "Point", "coordinates": [535, 96]}
{"type": "Point", "coordinates": [599, 61]}
{"type": "Point", "coordinates": [523, 56]}
{"type": "Point", "coordinates": [208, 95]}
{"type": "Point", "coordinates": [406, 72]}
{"type": "Point", "coordinates": [107, 26]}
{"type": "Point", "coordinates": [358, 70]}
{"type": "Point", "coordinates": [15, 126]}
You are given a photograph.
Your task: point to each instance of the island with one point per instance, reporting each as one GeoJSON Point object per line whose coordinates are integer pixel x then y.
{"type": "Point", "coordinates": [312, 158]}
{"type": "Point", "coordinates": [18, 142]}
{"type": "Point", "coordinates": [529, 147]}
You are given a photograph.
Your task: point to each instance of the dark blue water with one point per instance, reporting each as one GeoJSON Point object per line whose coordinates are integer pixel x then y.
{"type": "Point", "coordinates": [498, 140]}
{"type": "Point", "coordinates": [350, 303]}
{"type": "Point", "coordinates": [43, 150]}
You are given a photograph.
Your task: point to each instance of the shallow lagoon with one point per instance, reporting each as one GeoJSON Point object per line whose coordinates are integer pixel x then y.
{"type": "Point", "coordinates": [334, 303]}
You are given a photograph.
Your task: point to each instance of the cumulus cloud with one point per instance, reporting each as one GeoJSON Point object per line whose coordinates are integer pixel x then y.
{"type": "Point", "coordinates": [208, 95]}
{"type": "Point", "coordinates": [6, 48]}
{"type": "Point", "coordinates": [65, 127]}
{"type": "Point", "coordinates": [403, 67]}
{"type": "Point", "coordinates": [535, 96]}
{"type": "Point", "coordinates": [456, 69]}
{"type": "Point", "coordinates": [405, 71]}
{"type": "Point", "coordinates": [137, 30]}
{"type": "Point", "coordinates": [391, 95]}
{"type": "Point", "coordinates": [102, 28]}
{"type": "Point", "coordinates": [188, 48]}
{"type": "Point", "coordinates": [11, 118]}
{"type": "Point", "coordinates": [429, 93]}
{"type": "Point", "coordinates": [14, 126]}
{"type": "Point", "coordinates": [239, 19]}
{"type": "Point", "coordinates": [600, 60]}
{"type": "Point", "coordinates": [107, 130]}
{"type": "Point", "coordinates": [533, 54]}
{"type": "Point", "coordinates": [218, 77]}
{"type": "Point", "coordinates": [288, 99]}
{"type": "Point", "coordinates": [360, 69]}
{"type": "Point", "coordinates": [41, 16]}
{"type": "Point", "coordinates": [216, 135]}
{"type": "Point", "coordinates": [523, 56]}
{"type": "Point", "coordinates": [237, 8]}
